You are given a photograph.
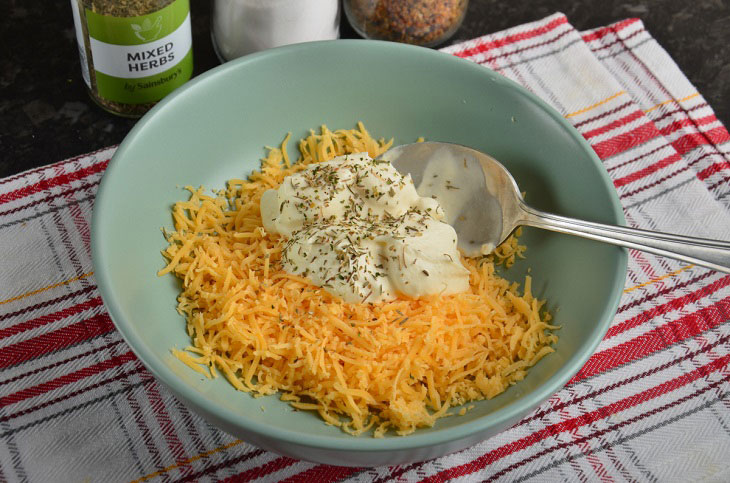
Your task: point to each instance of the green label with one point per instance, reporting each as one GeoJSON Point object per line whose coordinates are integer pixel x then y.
{"type": "Point", "coordinates": [139, 60]}
{"type": "Point", "coordinates": [144, 90]}
{"type": "Point", "coordinates": [137, 30]}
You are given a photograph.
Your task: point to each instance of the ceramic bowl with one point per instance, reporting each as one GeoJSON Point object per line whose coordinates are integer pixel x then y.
{"type": "Point", "coordinates": [215, 128]}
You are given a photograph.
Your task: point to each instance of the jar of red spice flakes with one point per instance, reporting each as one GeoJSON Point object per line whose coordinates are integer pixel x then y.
{"type": "Point", "coordinates": [420, 22]}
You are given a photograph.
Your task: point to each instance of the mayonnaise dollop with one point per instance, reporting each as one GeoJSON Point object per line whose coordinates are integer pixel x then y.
{"type": "Point", "coordinates": [357, 227]}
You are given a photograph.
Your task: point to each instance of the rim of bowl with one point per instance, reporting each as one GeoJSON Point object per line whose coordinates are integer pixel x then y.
{"type": "Point", "coordinates": [365, 444]}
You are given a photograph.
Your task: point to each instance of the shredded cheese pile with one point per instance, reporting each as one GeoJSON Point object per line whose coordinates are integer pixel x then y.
{"type": "Point", "coordinates": [398, 365]}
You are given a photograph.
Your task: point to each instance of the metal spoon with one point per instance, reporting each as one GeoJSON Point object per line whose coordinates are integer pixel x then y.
{"type": "Point", "coordinates": [484, 205]}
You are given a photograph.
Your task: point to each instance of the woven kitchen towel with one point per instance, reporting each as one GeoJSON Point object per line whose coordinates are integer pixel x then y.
{"type": "Point", "coordinates": [651, 404]}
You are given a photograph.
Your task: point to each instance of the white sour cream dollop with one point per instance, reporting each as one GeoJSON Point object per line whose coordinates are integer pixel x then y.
{"type": "Point", "coordinates": [357, 227]}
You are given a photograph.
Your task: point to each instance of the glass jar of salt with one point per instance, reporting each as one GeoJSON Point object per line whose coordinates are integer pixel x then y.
{"type": "Point", "coordinates": [242, 27]}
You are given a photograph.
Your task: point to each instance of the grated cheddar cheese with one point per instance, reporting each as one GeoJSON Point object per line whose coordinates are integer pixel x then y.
{"type": "Point", "coordinates": [396, 365]}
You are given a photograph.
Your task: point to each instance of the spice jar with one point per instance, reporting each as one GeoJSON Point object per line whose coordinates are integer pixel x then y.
{"type": "Point", "coordinates": [242, 27]}
{"type": "Point", "coordinates": [419, 22]}
{"type": "Point", "coordinates": [133, 52]}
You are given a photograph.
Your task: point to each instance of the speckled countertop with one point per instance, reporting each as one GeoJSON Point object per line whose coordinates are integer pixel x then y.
{"type": "Point", "coordinates": [46, 114]}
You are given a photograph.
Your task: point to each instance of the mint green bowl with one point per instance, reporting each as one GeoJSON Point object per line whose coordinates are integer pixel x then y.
{"type": "Point", "coordinates": [215, 128]}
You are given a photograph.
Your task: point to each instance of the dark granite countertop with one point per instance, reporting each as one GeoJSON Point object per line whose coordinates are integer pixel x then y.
{"type": "Point", "coordinates": [46, 114]}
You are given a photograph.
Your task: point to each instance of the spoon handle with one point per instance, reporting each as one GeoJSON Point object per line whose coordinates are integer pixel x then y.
{"type": "Point", "coordinates": [708, 253]}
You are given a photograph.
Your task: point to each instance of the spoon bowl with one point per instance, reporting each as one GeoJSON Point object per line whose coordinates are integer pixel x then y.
{"type": "Point", "coordinates": [477, 193]}
{"type": "Point", "coordinates": [483, 203]}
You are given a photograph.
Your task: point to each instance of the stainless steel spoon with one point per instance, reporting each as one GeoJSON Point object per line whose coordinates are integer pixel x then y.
{"type": "Point", "coordinates": [484, 205]}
